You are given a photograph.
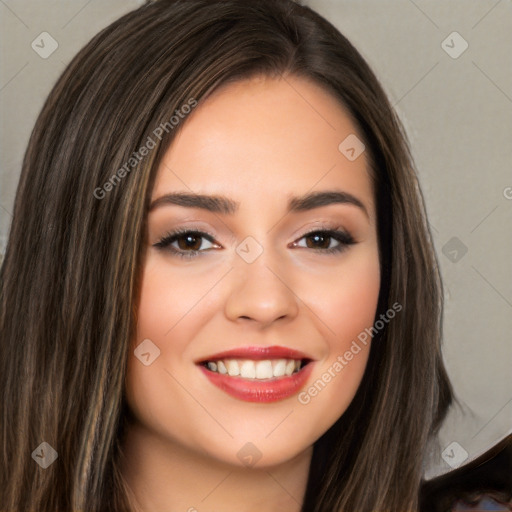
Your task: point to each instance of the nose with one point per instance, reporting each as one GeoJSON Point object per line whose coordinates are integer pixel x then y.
{"type": "Point", "coordinates": [260, 292]}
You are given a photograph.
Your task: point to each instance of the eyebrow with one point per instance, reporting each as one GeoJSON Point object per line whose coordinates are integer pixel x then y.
{"type": "Point", "coordinates": [227, 206]}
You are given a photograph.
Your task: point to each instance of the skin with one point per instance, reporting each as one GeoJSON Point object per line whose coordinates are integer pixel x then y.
{"type": "Point", "coordinates": [258, 141]}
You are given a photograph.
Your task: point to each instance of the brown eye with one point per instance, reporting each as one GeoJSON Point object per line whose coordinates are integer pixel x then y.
{"type": "Point", "coordinates": [322, 240]}
{"type": "Point", "coordinates": [189, 243]}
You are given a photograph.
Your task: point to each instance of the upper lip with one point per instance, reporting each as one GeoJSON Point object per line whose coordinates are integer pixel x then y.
{"type": "Point", "coordinates": [257, 353]}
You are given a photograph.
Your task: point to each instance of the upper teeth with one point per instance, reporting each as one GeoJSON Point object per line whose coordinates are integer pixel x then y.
{"type": "Point", "coordinates": [249, 369]}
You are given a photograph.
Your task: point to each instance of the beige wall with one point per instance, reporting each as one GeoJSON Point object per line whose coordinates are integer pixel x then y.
{"type": "Point", "coordinates": [457, 110]}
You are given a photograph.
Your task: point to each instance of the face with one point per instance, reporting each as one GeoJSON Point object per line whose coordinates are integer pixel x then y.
{"type": "Point", "coordinates": [264, 285]}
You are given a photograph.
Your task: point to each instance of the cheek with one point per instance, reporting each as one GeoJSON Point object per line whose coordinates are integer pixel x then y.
{"type": "Point", "coordinates": [352, 314]}
{"type": "Point", "coordinates": [353, 306]}
{"type": "Point", "coordinates": [161, 319]}
{"type": "Point", "coordinates": [171, 312]}
{"type": "Point", "coordinates": [168, 299]}
{"type": "Point", "coordinates": [345, 301]}
{"type": "Point", "coordinates": [345, 307]}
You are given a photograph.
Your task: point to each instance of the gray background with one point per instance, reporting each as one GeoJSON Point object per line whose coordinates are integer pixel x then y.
{"type": "Point", "coordinates": [457, 110]}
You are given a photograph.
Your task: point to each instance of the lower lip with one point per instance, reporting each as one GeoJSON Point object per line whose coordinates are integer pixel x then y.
{"type": "Point", "coordinates": [273, 390]}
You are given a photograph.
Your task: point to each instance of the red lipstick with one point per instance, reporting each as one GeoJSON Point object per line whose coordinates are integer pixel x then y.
{"type": "Point", "coordinates": [259, 390]}
{"type": "Point", "coordinates": [258, 353]}
{"type": "Point", "coordinates": [272, 390]}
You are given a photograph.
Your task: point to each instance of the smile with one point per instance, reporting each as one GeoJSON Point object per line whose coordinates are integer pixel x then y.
{"type": "Point", "coordinates": [261, 370]}
{"type": "Point", "coordinates": [260, 376]}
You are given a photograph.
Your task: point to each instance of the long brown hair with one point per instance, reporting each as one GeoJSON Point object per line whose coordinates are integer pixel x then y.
{"type": "Point", "coordinates": [70, 278]}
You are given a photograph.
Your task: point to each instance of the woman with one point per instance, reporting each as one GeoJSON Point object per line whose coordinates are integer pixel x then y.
{"type": "Point", "coordinates": [284, 373]}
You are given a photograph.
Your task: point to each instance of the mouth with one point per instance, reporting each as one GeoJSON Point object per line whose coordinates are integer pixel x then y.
{"type": "Point", "coordinates": [264, 370]}
{"type": "Point", "coordinates": [258, 374]}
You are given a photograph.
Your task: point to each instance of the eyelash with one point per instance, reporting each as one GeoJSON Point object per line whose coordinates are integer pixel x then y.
{"type": "Point", "coordinates": [344, 238]}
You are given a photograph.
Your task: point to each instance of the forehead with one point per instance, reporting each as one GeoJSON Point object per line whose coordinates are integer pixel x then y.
{"type": "Point", "coordinates": [265, 138]}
